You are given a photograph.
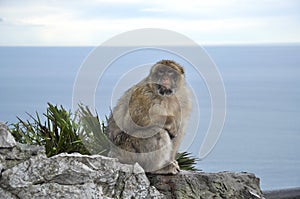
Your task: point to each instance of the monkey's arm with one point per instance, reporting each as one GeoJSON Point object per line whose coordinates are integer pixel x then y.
{"type": "Point", "coordinates": [166, 122]}
{"type": "Point", "coordinates": [171, 126]}
{"type": "Point", "coordinates": [137, 121]}
{"type": "Point", "coordinates": [146, 116]}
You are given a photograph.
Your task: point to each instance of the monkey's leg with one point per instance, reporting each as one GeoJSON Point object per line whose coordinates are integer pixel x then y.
{"type": "Point", "coordinates": [163, 154]}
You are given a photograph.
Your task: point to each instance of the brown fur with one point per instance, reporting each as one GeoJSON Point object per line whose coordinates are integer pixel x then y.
{"type": "Point", "coordinates": [147, 127]}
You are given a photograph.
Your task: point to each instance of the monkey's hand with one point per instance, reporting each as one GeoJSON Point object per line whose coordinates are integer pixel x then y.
{"type": "Point", "coordinates": [170, 126]}
{"type": "Point", "coordinates": [171, 168]}
{"type": "Point", "coordinates": [166, 122]}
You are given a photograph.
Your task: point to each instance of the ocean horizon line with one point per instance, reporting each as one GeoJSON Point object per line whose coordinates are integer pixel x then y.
{"type": "Point", "coordinates": [202, 45]}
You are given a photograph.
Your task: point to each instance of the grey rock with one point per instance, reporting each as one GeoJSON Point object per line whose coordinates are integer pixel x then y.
{"type": "Point", "coordinates": [9, 157]}
{"type": "Point", "coordinates": [291, 193]}
{"type": "Point", "coordinates": [26, 172]}
{"type": "Point", "coordinates": [77, 176]}
{"type": "Point", "coordinates": [6, 194]}
{"type": "Point", "coordinates": [6, 139]}
{"type": "Point", "coordinates": [208, 185]}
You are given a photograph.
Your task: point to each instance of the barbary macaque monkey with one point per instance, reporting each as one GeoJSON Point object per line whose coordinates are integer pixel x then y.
{"type": "Point", "coordinates": [148, 122]}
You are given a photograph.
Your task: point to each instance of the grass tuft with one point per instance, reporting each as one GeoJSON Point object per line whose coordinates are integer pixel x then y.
{"type": "Point", "coordinates": [61, 131]}
{"type": "Point", "coordinates": [186, 161]}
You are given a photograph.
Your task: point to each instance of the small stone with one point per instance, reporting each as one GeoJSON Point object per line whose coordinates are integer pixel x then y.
{"type": "Point", "coordinates": [6, 139]}
{"type": "Point", "coordinates": [137, 169]}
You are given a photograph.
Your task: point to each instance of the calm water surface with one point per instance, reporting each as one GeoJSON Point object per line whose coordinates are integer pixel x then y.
{"type": "Point", "coordinates": [262, 128]}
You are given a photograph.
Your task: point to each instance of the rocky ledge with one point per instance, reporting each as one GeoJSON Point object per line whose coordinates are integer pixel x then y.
{"type": "Point", "coordinates": [26, 172]}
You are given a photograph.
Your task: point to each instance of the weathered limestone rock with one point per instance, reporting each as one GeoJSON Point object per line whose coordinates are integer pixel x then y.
{"type": "Point", "coordinates": [26, 172]}
{"type": "Point", "coordinates": [9, 157]}
{"type": "Point", "coordinates": [77, 176]}
{"type": "Point", "coordinates": [208, 185]}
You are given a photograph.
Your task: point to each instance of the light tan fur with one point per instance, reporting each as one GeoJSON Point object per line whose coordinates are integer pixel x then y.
{"type": "Point", "coordinates": [147, 125]}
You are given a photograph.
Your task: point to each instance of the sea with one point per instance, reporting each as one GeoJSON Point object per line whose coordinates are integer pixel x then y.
{"type": "Point", "coordinates": [260, 91]}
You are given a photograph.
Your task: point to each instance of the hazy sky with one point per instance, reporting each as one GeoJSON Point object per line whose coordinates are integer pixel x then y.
{"type": "Point", "coordinates": [82, 22]}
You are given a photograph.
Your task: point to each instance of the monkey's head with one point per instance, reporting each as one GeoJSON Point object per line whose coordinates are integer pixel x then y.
{"type": "Point", "coordinates": [166, 77]}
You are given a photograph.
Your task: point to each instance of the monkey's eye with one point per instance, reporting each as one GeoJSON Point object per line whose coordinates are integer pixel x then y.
{"type": "Point", "coordinates": [160, 72]}
{"type": "Point", "coordinates": [170, 72]}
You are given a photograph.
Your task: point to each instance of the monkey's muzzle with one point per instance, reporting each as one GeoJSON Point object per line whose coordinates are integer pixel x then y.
{"type": "Point", "coordinates": [164, 91]}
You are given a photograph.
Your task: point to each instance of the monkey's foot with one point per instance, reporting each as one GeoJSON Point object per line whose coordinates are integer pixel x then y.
{"type": "Point", "coordinates": [172, 168]}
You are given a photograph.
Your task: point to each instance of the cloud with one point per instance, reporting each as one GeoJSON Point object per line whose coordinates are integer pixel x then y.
{"type": "Point", "coordinates": [152, 10]}
{"type": "Point", "coordinates": [81, 22]}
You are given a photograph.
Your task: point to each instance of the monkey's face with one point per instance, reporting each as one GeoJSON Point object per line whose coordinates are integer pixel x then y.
{"type": "Point", "coordinates": [166, 79]}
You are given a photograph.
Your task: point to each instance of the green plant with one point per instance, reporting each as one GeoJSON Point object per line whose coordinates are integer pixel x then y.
{"type": "Point", "coordinates": [92, 131]}
{"type": "Point", "coordinates": [186, 161]}
{"type": "Point", "coordinates": [60, 131]}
